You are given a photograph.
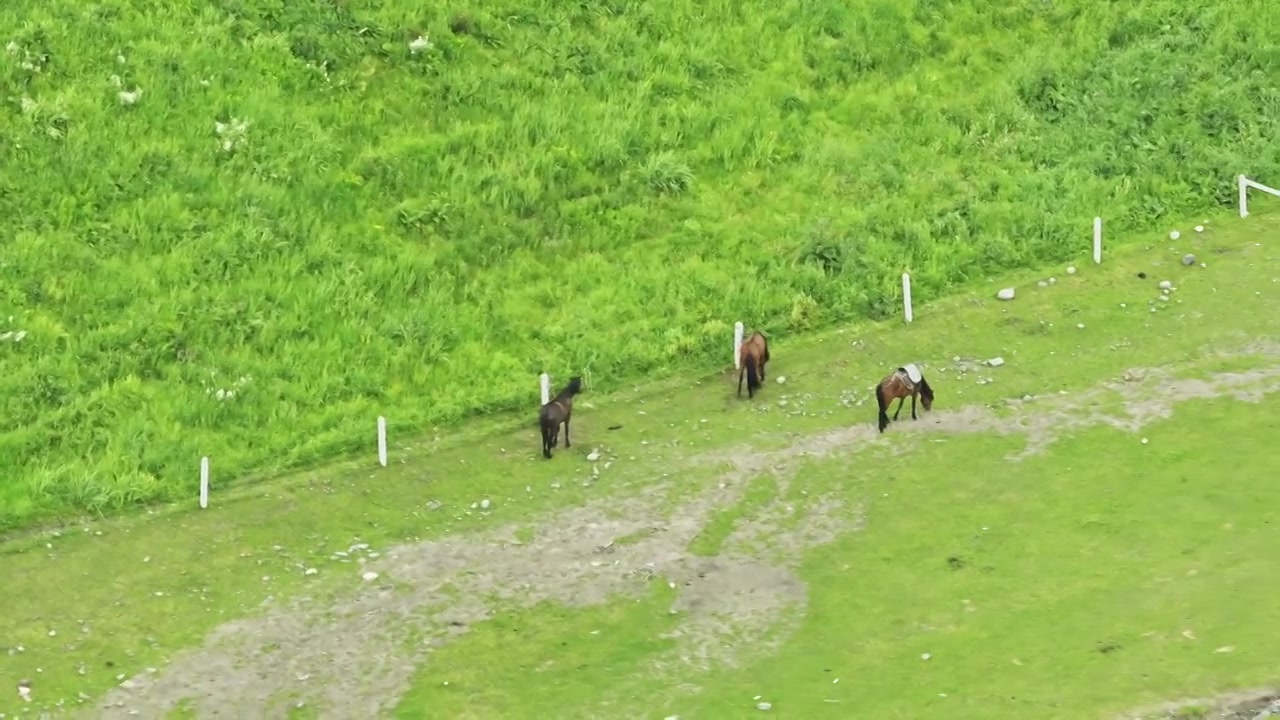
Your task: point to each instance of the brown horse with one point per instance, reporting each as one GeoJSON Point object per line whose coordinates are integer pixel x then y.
{"type": "Point", "coordinates": [752, 356]}
{"type": "Point", "coordinates": [903, 383]}
{"type": "Point", "coordinates": [555, 412]}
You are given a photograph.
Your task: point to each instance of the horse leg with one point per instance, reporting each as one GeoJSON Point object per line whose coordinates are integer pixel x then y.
{"type": "Point", "coordinates": [763, 361]}
{"type": "Point", "coordinates": [741, 370]}
{"type": "Point", "coordinates": [901, 400]}
{"type": "Point", "coordinates": [546, 443]}
{"type": "Point", "coordinates": [913, 405]}
{"type": "Point", "coordinates": [566, 431]}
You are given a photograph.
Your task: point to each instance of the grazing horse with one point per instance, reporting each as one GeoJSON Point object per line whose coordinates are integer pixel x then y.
{"type": "Point", "coordinates": [903, 382]}
{"type": "Point", "coordinates": [752, 356]}
{"type": "Point", "coordinates": [555, 412]}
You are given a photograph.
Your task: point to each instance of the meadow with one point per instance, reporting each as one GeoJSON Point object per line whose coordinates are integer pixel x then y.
{"type": "Point", "coordinates": [245, 230]}
{"type": "Point", "coordinates": [1083, 530]}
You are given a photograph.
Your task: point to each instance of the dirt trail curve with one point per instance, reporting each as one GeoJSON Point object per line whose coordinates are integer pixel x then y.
{"type": "Point", "coordinates": [348, 658]}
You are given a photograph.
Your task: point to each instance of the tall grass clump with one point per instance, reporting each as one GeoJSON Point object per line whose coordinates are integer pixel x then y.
{"type": "Point", "coordinates": [250, 246]}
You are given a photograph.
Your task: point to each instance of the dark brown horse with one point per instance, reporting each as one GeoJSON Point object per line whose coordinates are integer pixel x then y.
{"type": "Point", "coordinates": [555, 412]}
{"type": "Point", "coordinates": [752, 356]}
{"type": "Point", "coordinates": [903, 383]}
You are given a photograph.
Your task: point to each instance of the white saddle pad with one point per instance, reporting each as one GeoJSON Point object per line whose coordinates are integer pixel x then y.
{"type": "Point", "coordinates": [913, 373]}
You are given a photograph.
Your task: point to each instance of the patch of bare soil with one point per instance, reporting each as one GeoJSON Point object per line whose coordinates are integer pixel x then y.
{"type": "Point", "coordinates": [1248, 705]}
{"type": "Point", "coordinates": [350, 658]}
{"type": "Point", "coordinates": [1141, 396]}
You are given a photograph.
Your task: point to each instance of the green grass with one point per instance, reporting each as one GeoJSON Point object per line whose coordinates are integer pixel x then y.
{"type": "Point", "coordinates": [581, 652]}
{"type": "Point", "coordinates": [1068, 598]}
{"type": "Point", "coordinates": [1079, 538]}
{"type": "Point", "coordinates": [547, 186]}
{"type": "Point", "coordinates": [1075, 566]}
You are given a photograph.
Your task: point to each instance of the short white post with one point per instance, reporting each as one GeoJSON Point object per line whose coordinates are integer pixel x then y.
{"type": "Point", "coordinates": [204, 482]}
{"type": "Point", "coordinates": [1097, 240]}
{"type": "Point", "coordinates": [738, 330]}
{"type": "Point", "coordinates": [1243, 182]}
{"type": "Point", "coordinates": [906, 296]}
{"type": "Point", "coordinates": [382, 441]}
{"type": "Point", "coordinates": [545, 379]}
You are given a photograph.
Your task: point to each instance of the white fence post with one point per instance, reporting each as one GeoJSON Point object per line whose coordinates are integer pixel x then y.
{"type": "Point", "coordinates": [1245, 184]}
{"type": "Point", "coordinates": [1097, 240]}
{"type": "Point", "coordinates": [738, 330]}
{"type": "Point", "coordinates": [382, 441]}
{"type": "Point", "coordinates": [545, 380]}
{"type": "Point", "coordinates": [204, 482]}
{"type": "Point", "coordinates": [906, 296]}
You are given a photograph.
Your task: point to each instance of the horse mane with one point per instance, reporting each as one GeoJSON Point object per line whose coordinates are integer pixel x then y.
{"type": "Point", "coordinates": [573, 387]}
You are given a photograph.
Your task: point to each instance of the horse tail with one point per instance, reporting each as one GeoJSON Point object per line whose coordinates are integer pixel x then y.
{"type": "Point", "coordinates": [882, 404]}
{"type": "Point", "coordinates": [753, 377]}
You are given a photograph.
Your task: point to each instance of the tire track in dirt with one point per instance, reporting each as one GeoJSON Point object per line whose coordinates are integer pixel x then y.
{"type": "Point", "coordinates": [348, 657]}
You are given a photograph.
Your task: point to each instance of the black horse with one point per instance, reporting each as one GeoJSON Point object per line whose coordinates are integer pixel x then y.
{"type": "Point", "coordinates": [555, 412]}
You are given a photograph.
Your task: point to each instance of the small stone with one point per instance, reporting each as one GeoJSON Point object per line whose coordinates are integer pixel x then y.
{"type": "Point", "coordinates": [1225, 649]}
{"type": "Point", "coordinates": [1053, 280]}
{"type": "Point", "coordinates": [925, 656]}
{"type": "Point", "coordinates": [53, 633]}
{"type": "Point", "coordinates": [764, 706]}
{"type": "Point", "coordinates": [1043, 284]}
{"type": "Point", "coordinates": [594, 455]}
{"type": "Point", "coordinates": [1166, 285]}
{"type": "Point", "coordinates": [1071, 269]}
{"type": "Point", "coordinates": [369, 576]}
{"type": "Point", "coordinates": [995, 362]}
{"type": "Point", "coordinates": [1188, 259]}
{"type": "Point", "coordinates": [1175, 235]}
{"type": "Point", "coordinates": [1144, 441]}
{"type": "Point", "coordinates": [1080, 325]}
{"type": "Point", "coordinates": [1199, 228]}
{"type": "Point", "coordinates": [1005, 294]}
{"type": "Point", "coordinates": [310, 571]}
{"type": "Point", "coordinates": [782, 379]}
{"type": "Point", "coordinates": [484, 504]}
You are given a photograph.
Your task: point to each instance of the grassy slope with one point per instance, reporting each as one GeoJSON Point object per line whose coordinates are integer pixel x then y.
{"type": "Point", "coordinates": [556, 186]}
{"type": "Point", "coordinates": [209, 565]}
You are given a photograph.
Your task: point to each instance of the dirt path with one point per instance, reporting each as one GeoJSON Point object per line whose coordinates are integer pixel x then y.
{"type": "Point", "coordinates": [348, 658]}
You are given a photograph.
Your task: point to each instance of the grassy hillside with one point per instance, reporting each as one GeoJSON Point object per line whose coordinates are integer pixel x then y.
{"type": "Point", "coordinates": [298, 208]}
